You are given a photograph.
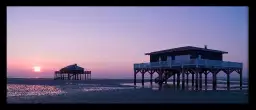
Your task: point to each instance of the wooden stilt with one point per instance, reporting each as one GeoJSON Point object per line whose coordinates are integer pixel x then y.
{"type": "Point", "coordinates": [241, 79]}
{"type": "Point", "coordinates": [166, 76]}
{"type": "Point", "coordinates": [196, 72]}
{"type": "Point", "coordinates": [183, 78]}
{"type": "Point", "coordinates": [214, 83]}
{"type": "Point", "coordinates": [205, 79]}
{"type": "Point", "coordinates": [178, 80]}
{"type": "Point", "coordinates": [228, 81]}
{"type": "Point", "coordinates": [193, 79]}
{"type": "Point", "coordinates": [200, 81]}
{"type": "Point", "coordinates": [134, 80]}
{"type": "Point", "coordinates": [214, 78]}
{"type": "Point", "coordinates": [160, 79]}
{"type": "Point", "coordinates": [151, 78]}
{"type": "Point", "coordinates": [142, 80]}
{"type": "Point", "coordinates": [174, 79]}
{"type": "Point", "coordinates": [187, 78]}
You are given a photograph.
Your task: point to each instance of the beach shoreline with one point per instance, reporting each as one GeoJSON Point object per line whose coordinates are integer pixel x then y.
{"type": "Point", "coordinates": [111, 91]}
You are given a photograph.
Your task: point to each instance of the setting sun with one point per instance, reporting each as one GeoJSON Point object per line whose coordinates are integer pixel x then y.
{"type": "Point", "coordinates": [37, 69]}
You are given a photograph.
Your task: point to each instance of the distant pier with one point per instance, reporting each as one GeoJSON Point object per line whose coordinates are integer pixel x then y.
{"type": "Point", "coordinates": [72, 72]}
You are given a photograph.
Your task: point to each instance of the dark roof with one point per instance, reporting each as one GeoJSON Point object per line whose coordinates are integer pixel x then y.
{"type": "Point", "coordinates": [184, 49]}
{"type": "Point", "coordinates": [73, 67]}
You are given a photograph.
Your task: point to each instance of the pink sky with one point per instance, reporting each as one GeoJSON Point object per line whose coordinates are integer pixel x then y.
{"type": "Point", "coordinates": [109, 40]}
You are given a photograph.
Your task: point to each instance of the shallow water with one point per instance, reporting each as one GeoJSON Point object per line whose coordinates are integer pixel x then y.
{"type": "Point", "coordinates": [220, 85]}
{"type": "Point", "coordinates": [32, 90]}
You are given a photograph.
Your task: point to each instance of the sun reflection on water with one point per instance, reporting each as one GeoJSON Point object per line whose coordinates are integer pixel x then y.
{"type": "Point", "coordinates": [32, 90]}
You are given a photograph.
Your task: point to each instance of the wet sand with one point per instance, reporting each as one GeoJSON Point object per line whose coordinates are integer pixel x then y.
{"type": "Point", "coordinates": [110, 91]}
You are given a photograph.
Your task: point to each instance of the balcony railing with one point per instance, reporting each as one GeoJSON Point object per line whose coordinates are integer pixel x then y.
{"type": "Point", "coordinates": [192, 62]}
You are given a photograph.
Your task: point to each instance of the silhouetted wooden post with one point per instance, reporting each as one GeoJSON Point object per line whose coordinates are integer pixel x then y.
{"type": "Point", "coordinates": [228, 81]}
{"type": "Point", "coordinates": [205, 79]}
{"type": "Point", "coordinates": [134, 77]}
{"type": "Point", "coordinates": [228, 71]}
{"type": "Point", "coordinates": [160, 79]}
{"type": "Point", "coordinates": [183, 78]}
{"type": "Point", "coordinates": [165, 77]}
{"type": "Point", "coordinates": [174, 79]}
{"type": "Point", "coordinates": [200, 81]}
{"type": "Point", "coordinates": [196, 72]}
{"type": "Point", "coordinates": [187, 78]}
{"type": "Point", "coordinates": [142, 80]}
{"type": "Point", "coordinates": [214, 81]}
{"type": "Point", "coordinates": [151, 77]}
{"type": "Point", "coordinates": [193, 79]}
{"type": "Point", "coordinates": [178, 79]}
{"type": "Point", "coordinates": [241, 79]}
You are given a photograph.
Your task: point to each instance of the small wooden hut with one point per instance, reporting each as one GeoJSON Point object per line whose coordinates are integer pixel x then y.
{"type": "Point", "coordinates": [72, 72]}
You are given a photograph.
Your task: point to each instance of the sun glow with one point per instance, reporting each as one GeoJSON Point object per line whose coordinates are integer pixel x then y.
{"type": "Point", "coordinates": [37, 69]}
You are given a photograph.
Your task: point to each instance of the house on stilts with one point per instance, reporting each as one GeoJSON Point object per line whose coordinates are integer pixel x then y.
{"type": "Point", "coordinates": [72, 72]}
{"type": "Point", "coordinates": [180, 62]}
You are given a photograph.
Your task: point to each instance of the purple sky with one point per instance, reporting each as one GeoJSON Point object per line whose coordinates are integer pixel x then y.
{"type": "Point", "coordinates": [109, 40]}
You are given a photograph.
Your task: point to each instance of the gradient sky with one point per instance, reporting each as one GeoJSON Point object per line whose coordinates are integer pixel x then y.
{"type": "Point", "coordinates": [109, 40]}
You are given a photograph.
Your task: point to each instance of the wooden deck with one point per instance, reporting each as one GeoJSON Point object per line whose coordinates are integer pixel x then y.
{"type": "Point", "coordinates": [191, 63]}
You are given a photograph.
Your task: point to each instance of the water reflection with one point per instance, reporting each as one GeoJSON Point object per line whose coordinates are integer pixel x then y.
{"type": "Point", "coordinates": [88, 89]}
{"type": "Point", "coordinates": [41, 90]}
{"type": "Point", "coordinates": [188, 86]}
{"type": "Point", "coordinates": [32, 90]}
